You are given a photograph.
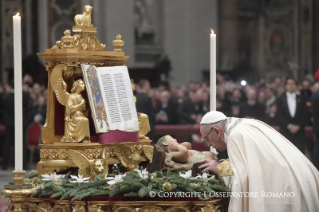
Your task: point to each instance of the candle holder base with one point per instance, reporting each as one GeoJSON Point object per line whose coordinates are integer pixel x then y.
{"type": "Point", "coordinates": [18, 192]}
{"type": "Point", "coordinates": [18, 177]}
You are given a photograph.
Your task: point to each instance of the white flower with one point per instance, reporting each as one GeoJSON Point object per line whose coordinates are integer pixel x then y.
{"type": "Point", "coordinates": [52, 176]}
{"type": "Point", "coordinates": [205, 176]}
{"type": "Point", "coordinates": [116, 179]}
{"type": "Point", "coordinates": [143, 174]}
{"type": "Point", "coordinates": [188, 174]}
{"type": "Point", "coordinates": [79, 179]}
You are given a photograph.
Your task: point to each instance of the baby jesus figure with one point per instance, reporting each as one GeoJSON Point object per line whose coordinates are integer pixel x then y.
{"type": "Point", "coordinates": [181, 156]}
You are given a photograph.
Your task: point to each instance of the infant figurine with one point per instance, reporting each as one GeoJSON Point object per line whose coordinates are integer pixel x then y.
{"type": "Point", "coordinates": [182, 153]}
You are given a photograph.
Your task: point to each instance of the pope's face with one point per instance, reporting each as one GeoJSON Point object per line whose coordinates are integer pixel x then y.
{"type": "Point", "coordinates": [214, 137]}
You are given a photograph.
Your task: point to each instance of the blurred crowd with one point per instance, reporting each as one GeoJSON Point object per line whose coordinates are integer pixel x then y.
{"type": "Point", "coordinates": [281, 102]}
{"type": "Point", "coordinates": [34, 100]}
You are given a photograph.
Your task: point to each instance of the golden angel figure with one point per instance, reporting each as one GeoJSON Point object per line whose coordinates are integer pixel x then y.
{"type": "Point", "coordinates": [94, 167]}
{"type": "Point", "coordinates": [76, 127]}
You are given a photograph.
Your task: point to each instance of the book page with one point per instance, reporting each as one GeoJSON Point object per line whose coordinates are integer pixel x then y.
{"type": "Point", "coordinates": [96, 102]}
{"type": "Point", "coordinates": [118, 95]}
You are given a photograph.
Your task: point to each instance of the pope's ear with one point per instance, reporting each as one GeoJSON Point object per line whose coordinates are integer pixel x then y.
{"type": "Point", "coordinates": [217, 130]}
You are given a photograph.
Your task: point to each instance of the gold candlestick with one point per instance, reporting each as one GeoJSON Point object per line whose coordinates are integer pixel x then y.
{"type": "Point", "coordinates": [18, 192]}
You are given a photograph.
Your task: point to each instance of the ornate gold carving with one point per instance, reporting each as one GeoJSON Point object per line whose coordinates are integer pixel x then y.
{"type": "Point", "coordinates": [93, 167]}
{"type": "Point", "coordinates": [86, 39]}
{"type": "Point", "coordinates": [178, 209]}
{"type": "Point", "coordinates": [118, 43]}
{"type": "Point", "coordinates": [76, 124]}
{"type": "Point", "coordinates": [86, 168]}
{"type": "Point", "coordinates": [148, 151]}
{"type": "Point", "coordinates": [61, 208]}
{"type": "Point", "coordinates": [211, 208]}
{"type": "Point", "coordinates": [128, 155]}
{"type": "Point", "coordinates": [124, 209]}
{"type": "Point", "coordinates": [62, 154]}
{"type": "Point", "coordinates": [68, 73]}
{"type": "Point", "coordinates": [151, 209]}
{"type": "Point", "coordinates": [30, 207]}
{"type": "Point", "coordinates": [17, 198]}
{"type": "Point", "coordinates": [44, 207]}
{"type": "Point", "coordinates": [48, 205]}
{"type": "Point", "coordinates": [18, 177]}
{"type": "Point", "coordinates": [67, 40]}
{"type": "Point", "coordinates": [224, 169]}
{"type": "Point", "coordinates": [79, 208]}
{"type": "Point", "coordinates": [84, 20]}
{"type": "Point", "coordinates": [95, 208]}
{"type": "Point", "coordinates": [58, 45]}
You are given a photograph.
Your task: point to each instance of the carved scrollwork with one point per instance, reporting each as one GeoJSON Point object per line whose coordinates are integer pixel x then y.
{"type": "Point", "coordinates": [44, 207]}
{"type": "Point", "coordinates": [179, 209]}
{"type": "Point", "coordinates": [98, 208]}
{"type": "Point", "coordinates": [79, 208]}
{"type": "Point", "coordinates": [62, 154]}
{"type": "Point", "coordinates": [61, 208]}
{"type": "Point", "coordinates": [151, 209]}
{"type": "Point", "coordinates": [212, 208]}
{"type": "Point", "coordinates": [30, 207]}
{"type": "Point", "coordinates": [124, 209]}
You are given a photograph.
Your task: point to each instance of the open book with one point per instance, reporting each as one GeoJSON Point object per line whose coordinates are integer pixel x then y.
{"type": "Point", "coordinates": [111, 98]}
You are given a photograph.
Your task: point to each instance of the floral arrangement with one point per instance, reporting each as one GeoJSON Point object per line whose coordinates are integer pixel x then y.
{"type": "Point", "coordinates": [137, 183]}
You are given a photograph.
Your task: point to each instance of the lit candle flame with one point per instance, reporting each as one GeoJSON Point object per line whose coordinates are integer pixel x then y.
{"type": "Point", "coordinates": [17, 14]}
{"type": "Point", "coordinates": [212, 31]}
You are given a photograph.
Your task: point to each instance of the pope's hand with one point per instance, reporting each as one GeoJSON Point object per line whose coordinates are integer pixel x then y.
{"type": "Point", "coordinates": [209, 166]}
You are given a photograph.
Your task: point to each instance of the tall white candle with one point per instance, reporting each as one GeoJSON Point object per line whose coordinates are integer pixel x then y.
{"type": "Point", "coordinates": [18, 121]}
{"type": "Point", "coordinates": [212, 71]}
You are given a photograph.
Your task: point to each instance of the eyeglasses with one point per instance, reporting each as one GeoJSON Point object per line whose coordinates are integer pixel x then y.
{"type": "Point", "coordinates": [205, 137]}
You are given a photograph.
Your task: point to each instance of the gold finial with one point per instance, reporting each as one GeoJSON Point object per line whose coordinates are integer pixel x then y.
{"type": "Point", "coordinates": [118, 43]}
{"type": "Point", "coordinates": [67, 39]}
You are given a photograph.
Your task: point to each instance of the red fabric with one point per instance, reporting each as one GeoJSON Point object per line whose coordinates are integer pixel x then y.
{"type": "Point", "coordinates": [200, 146]}
{"type": "Point", "coordinates": [316, 75]}
{"type": "Point", "coordinates": [34, 135]}
{"type": "Point", "coordinates": [115, 136]}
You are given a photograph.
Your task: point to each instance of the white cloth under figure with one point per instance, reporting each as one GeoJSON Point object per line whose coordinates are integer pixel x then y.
{"type": "Point", "coordinates": [267, 164]}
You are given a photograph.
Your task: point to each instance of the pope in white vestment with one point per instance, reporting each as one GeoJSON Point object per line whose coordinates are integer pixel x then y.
{"type": "Point", "coordinates": [269, 173]}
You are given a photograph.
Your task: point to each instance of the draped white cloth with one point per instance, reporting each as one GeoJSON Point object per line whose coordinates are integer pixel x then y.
{"type": "Point", "coordinates": [267, 164]}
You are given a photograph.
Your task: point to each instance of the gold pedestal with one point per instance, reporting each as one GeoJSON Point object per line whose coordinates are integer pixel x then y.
{"type": "Point", "coordinates": [42, 204]}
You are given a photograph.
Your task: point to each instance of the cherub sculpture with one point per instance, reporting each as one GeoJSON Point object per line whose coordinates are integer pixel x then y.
{"type": "Point", "coordinates": [84, 20]}
{"type": "Point", "coordinates": [128, 155]}
{"type": "Point", "coordinates": [94, 167]}
{"type": "Point", "coordinates": [76, 127]}
{"type": "Point", "coordinates": [181, 156]}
